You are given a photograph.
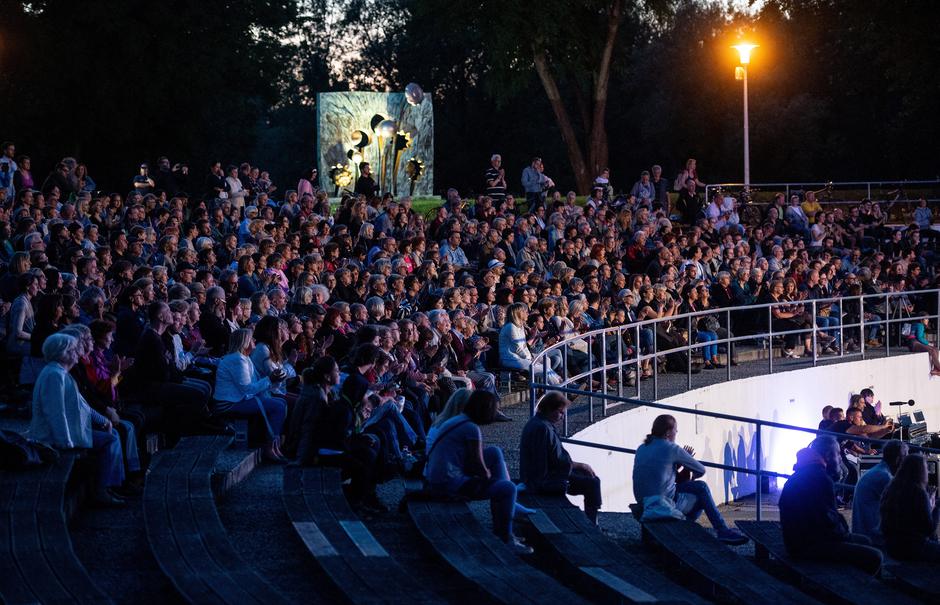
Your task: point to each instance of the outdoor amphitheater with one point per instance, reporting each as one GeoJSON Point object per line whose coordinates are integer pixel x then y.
{"type": "Point", "coordinates": [387, 302]}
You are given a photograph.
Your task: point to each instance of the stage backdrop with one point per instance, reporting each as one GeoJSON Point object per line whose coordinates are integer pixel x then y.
{"type": "Point", "coordinates": [351, 123]}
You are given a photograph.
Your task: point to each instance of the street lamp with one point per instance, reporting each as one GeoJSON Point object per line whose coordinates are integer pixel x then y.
{"type": "Point", "coordinates": [740, 73]}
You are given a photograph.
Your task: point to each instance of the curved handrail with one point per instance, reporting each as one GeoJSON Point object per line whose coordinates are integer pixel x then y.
{"type": "Point", "coordinates": [617, 333]}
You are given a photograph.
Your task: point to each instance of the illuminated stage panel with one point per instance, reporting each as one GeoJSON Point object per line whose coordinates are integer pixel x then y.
{"type": "Point", "coordinates": [342, 115]}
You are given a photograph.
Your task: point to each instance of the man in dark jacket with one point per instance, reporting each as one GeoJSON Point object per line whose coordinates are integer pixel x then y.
{"type": "Point", "coordinates": [812, 526]}
{"type": "Point", "coordinates": [544, 464]}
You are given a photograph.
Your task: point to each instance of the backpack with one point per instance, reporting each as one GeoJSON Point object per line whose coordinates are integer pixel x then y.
{"type": "Point", "coordinates": [18, 453]}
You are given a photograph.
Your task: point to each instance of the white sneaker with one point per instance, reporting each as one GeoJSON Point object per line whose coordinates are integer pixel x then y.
{"type": "Point", "coordinates": [517, 547]}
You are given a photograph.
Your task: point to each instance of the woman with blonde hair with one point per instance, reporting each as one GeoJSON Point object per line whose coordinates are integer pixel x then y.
{"type": "Point", "coordinates": [239, 389]}
{"type": "Point", "coordinates": [514, 344]}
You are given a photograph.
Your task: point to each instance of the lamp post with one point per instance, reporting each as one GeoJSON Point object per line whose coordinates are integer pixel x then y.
{"type": "Point", "coordinates": [740, 73]}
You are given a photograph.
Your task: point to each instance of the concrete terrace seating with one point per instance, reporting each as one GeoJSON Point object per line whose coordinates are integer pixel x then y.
{"type": "Point", "coordinates": [452, 530]}
{"type": "Point", "coordinates": [581, 552]}
{"type": "Point", "coordinates": [722, 569]}
{"type": "Point", "coordinates": [342, 545]}
{"type": "Point", "coordinates": [37, 562]}
{"type": "Point", "coordinates": [918, 579]}
{"type": "Point", "coordinates": [838, 583]}
{"type": "Point", "coordinates": [187, 537]}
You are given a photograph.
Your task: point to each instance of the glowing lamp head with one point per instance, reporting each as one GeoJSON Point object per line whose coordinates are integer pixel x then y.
{"type": "Point", "coordinates": [357, 158]}
{"type": "Point", "coordinates": [744, 51]}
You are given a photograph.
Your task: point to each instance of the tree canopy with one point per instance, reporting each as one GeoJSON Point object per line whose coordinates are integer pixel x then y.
{"type": "Point", "coordinates": [837, 90]}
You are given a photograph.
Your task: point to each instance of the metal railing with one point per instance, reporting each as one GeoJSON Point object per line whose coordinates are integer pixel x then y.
{"type": "Point", "coordinates": [607, 360]}
{"type": "Point", "coordinates": [759, 471]}
{"type": "Point", "coordinates": [869, 187]}
{"type": "Point", "coordinates": [836, 193]}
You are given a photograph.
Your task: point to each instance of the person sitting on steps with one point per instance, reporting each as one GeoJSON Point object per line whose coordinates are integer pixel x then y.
{"type": "Point", "coordinates": [659, 462]}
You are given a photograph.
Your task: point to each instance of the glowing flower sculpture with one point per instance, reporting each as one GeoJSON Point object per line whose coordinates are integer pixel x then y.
{"type": "Point", "coordinates": [414, 169]}
{"type": "Point", "coordinates": [341, 176]}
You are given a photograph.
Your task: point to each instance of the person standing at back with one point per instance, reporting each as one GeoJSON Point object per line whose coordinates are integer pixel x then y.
{"type": "Point", "coordinates": [535, 183]}
{"type": "Point", "coordinates": [495, 177]}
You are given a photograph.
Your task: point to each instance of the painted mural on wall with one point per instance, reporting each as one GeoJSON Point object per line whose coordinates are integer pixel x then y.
{"type": "Point", "coordinates": [393, 131]}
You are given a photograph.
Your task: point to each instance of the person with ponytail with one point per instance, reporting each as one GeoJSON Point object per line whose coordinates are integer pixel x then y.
{"type": "Point", "coordinates": [656, 466]}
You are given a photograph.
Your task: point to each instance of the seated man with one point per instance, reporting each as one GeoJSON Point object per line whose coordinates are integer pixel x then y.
{"type": "Point", "coordinates": [854, 424]}
{"type": "Point", "coordinates": [657, 462]}
{"type": "Point", "coordinates": [544, 464]}
{"type": "Point", "coordinates": [812, 526]}
{"type": "Point", "coordinates": [866, 517]}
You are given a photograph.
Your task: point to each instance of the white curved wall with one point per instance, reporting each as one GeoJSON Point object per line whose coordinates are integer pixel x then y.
{"type": "Point", "coordinates": [794, 397]}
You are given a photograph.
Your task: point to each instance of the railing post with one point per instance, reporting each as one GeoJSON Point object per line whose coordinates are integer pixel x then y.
{"type": "Point", "coordinates": [688, 355]}
{"type": "Point", "coordinates": [655, 368]}
{"type": "Point", "coordinates": [861, 325]}
{"type": "Point", "coordinates": [564, 361]}
{"type": "Point", "coordinates": [531, 390]}
{"type": "Point", "coordinates": [815, 338]}
{"type": "Point", "coordinates": [729, 350]}
{"type": "Point", "coordinates": [637, 341]}
{"type": "Point", "coordinates": [590, 378]}
{"type": "Point", "coordinates": [619, 365]}
{"type": "Point", "coordinates": [887, 324]}
{"type": "Point", "coordinates": [760, 475]}
{"type": "Point", "coordinates": [841, 330]}
{"type": "Point", "coordinates": [770, 340]}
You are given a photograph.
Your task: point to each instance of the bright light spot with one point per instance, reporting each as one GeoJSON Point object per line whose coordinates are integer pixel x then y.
{"type": "Point", "coordinates": [744, 50]}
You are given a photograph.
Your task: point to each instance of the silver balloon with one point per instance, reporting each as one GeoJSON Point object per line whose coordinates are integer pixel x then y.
{"type": "Point", "coordinates": [387, 129]}
{"type": "Point", "coordinates": [414, 94]}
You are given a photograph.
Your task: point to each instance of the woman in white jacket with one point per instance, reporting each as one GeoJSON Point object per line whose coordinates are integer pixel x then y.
{"type": "Point", "coordinates": [514, 346]}
{"type": "Point", "coordinates": [239, 389]}
{"type": "Point", "coordinates": [64, 420]}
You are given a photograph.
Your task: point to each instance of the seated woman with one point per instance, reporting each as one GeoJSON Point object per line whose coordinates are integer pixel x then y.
{"type": "Point", "coordinates": [909, 514]}
{"type": "Point", "coordinates": [21, 318]}
{"type": "Point", "coordinates": [917, 342]}
{"type": "Point", "coordinates": [459, 466]}
{"type": "Point", "coordinates": [240, 390]}
{"type": "Point", "coordinates": [268, 355]}
{"type": "Point", "coordinates": [62, 418]}
{"type": "Point", "coordinates": [691, 296]}
{"type": "Point", "coordinates": [49, 320]}
{"type": "Point", "coordinates": [656, 466]}
{"type": "Point", "coordinates": [327, 432]}
{"type": "Point", "coordinates": [514, 348]}
{"type": "Point", "coordinates": [126, 425]}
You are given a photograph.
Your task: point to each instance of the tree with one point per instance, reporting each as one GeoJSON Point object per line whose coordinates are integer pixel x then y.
{"type": "Point", "coordinates": [118, 83]}
{"type": "Point", "coordinates": [572, 48]}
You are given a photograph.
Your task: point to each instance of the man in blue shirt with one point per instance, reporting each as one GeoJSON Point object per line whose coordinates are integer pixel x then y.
{"type": "Point", "coordinates": [866, 511]}
{"type": "Point", "coordinates": [535, 183]}
{"type": "Point", "coordinates": [452, 253]}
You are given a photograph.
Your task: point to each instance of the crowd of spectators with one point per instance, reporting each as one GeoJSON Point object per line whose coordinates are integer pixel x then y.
{"type": "Point", "coordinates": [346, 328]}
{"type": "Point", "coordinates": [893, 503]}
